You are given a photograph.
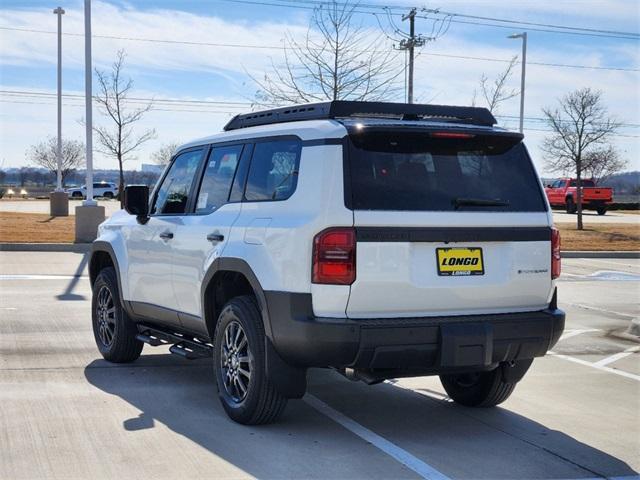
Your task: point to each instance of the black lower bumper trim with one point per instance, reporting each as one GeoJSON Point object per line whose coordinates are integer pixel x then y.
{"type": "Point", "coordinates": [436, 344]}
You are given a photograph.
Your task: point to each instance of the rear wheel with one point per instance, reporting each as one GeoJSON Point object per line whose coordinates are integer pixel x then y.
{"type": "Point", "coordinates": [114, 332]}
{"type": "Point", "coordinates": [602, 210]}
{"type": "Point", "coordinates": [108, 195]}
{"type": "Point", "coordinates": [478, 389]}
{"type": "Point", "coordinates": [244, 389]}
{"type": "Point", "coordinates": [571, 206]}
{"type": "Point", "coordinates": [76, 195]}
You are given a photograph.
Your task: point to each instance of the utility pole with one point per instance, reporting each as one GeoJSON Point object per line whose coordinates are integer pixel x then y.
{"type": "Point", "coordinates": [409, 44]}
{"type": "Point", "coordinates": [58, 199]}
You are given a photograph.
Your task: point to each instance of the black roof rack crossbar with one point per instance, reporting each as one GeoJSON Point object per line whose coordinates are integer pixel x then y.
{"type": "Point", "coordinates": [345, 109]}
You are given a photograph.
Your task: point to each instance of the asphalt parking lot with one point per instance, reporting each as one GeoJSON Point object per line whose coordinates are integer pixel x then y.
{"type": "Point", "coordinates": [65, 413]}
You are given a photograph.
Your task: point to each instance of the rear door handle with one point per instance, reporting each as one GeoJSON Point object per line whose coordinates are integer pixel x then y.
{"type": "Point", "coordinates": [166, 235]}
{"type": "Point", "coordinates": [215, 237]}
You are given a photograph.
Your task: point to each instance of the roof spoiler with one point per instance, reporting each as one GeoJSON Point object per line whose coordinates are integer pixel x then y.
{"type": "Point", "coordinates": [349, 109]}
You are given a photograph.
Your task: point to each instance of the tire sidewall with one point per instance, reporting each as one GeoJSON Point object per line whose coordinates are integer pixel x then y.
{"type": "Point", "coordinates": [239, 312]}
{"type": "Point", "coordinates": [106, 279]}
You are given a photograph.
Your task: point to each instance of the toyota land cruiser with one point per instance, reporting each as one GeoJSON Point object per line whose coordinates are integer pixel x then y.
{"type": "Point", "coordinates": [381, 240]}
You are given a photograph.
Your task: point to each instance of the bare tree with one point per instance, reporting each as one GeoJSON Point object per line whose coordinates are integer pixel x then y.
{"type": "Point", "coordinates": [120, 140]}
{"type": "Point", "coordinates": [602, 163]}
{"type": "Point", "coordinates": [162, 156]}
{"type": "Point", "coordinates": [337, 60]}
{"type": "Point", "coordinates": [581, 127]}
{"type": "Point", "coordinates": [496, 92]}
{"type": "Point", "coordinates": [44, 154]}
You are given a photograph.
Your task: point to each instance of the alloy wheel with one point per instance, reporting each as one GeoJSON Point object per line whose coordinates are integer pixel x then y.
{"type": "Point", "coordinates": [236, 362]}
{"type": "Point", "coordinates": [106, 316]}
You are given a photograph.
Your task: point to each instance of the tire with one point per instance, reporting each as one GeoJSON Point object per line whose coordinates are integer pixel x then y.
{"type": "Point", "coordinates": [480, 389]}
{"type": "Point", "coordinates": [108, 195]}
{"type": "Point", "coordinates": [571, 206]}
{"type": "Point", "coordinates": [76, 195]}
{"type": "Point", "coordinates": [260, 402]}
{"type": "Point", "coordinates": [113, 330]}
{"type": "Point", "coordinates": [602, 210]}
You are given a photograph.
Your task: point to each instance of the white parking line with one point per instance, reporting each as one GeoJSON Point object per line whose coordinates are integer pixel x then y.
{"type": "Point", "coordinates": [622, 373]}
{"type": "Point", "coordinates": [617, 356]}
{"type": "Point", "coordinates": [597, 309]}
{"type": "Point", "coordinates": [421, 468]}
{"type": "Point", "coordinates": [573, 333]}
{"type": "Point", "coordinates": [41, 277]}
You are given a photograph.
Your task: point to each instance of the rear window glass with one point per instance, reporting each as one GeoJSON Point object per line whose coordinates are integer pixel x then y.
{"type": "Point", "coordinates": [412, 171]}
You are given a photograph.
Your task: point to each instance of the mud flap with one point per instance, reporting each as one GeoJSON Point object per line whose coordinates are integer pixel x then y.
{"type": "Point", "coordinates": [290, 381]}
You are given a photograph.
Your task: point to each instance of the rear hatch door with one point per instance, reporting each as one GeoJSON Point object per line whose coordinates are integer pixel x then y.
{"type": "Point", "coordinates": [447, 223]}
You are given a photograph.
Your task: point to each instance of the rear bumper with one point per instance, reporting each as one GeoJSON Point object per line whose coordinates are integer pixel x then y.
{"type": "Point", "coordinates": [429, 344]}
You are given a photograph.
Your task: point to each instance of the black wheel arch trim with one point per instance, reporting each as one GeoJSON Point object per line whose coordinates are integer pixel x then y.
{"type": "Point", "coordinates": [105, 247]}
{"type": "Point", "coordinates": [289, 380]}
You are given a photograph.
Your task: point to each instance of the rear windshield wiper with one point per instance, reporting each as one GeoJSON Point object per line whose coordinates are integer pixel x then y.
{"type": "Point", "coordinates": [478, 202]}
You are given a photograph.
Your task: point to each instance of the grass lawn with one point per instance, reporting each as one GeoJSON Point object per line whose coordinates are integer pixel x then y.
{"type": "Point", "coordinates": [600, 236]}
{"type": "Point", "coordinates": [42, 228]}
{"type": "Point", "coordinates": [36, 228]}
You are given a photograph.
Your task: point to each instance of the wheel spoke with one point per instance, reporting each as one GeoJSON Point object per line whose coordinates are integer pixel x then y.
{"type": "Point", "coordinates": [244, 372]}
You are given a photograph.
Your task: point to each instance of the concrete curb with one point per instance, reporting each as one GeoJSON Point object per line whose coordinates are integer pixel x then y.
{"type": "Point", "coordinates": [45, 247]}
{"type": "Point", "coordinates": [597, 254]}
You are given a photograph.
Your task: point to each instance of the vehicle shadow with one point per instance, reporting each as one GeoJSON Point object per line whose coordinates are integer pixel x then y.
{"type": "Point", "coordinates": [455, 440]}
{"type": "Point", "coordinates": [68, 294]}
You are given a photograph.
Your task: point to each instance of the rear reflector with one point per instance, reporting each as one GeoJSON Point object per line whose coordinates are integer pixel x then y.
{"type": "Point", "coordinates": [334, 257]}
{"type": "Point", "coordinates": [451, 135]}
{"type": "Point", "coordinates": [555, 253]}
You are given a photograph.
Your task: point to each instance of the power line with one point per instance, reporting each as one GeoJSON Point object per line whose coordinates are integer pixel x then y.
{"type": "Point", "coordinates": [279, 47]}
{"type": "Point", "coordinates": [550, 28]}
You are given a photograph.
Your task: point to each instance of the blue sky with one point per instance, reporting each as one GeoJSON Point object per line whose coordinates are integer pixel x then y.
{"type": "Point", "coordinates": [221, 73]}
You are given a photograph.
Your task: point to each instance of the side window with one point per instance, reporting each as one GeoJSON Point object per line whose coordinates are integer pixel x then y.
{"type": "Point", "coordinates": [173, 194]}
{"type": "Point", "coordinates": [273, 174]}
{"type": "Point", "coordinates": [218, 176]}
{"type": "Point", "coordinates": [237, 190]}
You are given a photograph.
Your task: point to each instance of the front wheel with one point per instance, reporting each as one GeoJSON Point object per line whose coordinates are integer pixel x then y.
{"type": "Point", "coordinates": [114, 332]}
{"type": "Point", "coordinates": [478, 389]}
{"type": "Point", "coordinates": [245, 391]}
{"type": "Point", "coordinates": [602, 210]}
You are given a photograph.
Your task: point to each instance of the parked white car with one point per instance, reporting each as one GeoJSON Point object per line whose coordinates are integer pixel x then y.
{"type": "Point", "coordinates": [100, 189]}
{"type": "Point", "coordinates": [381, 240]}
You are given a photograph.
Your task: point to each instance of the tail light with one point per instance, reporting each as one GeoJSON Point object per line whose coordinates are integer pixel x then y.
{"type": "Point", "coordinates": [555, 253]}
{"type": "Point", "coordinates": [334, 257]}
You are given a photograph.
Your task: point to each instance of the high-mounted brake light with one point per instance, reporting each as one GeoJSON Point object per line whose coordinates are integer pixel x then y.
{"type": "Point", "coordinates": [555, 254]}
{"type": "Point", "coordinates": [334, 257]}
{"type": "Point", "coordinates": [451, 135]}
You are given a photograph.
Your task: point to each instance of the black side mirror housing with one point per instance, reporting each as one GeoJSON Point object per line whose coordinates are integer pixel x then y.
{"type": "Point", "coordinates": [136, 202]}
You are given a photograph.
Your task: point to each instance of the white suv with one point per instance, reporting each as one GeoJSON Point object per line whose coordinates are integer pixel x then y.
{"type": "Point", "coordinates": [100, 189]}
{"type": "Point", "coordinates": [382, 240]}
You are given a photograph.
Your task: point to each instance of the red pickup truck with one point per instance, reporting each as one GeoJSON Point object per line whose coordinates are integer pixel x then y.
{"type": "Point", "coordinates": [562, 193]}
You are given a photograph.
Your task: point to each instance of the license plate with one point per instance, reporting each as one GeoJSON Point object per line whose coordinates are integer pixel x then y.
{"type": "Point", "coordinates": [460, 261]}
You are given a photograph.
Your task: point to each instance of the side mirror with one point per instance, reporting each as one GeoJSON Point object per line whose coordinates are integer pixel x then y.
{"type": "Point", "coordinates": [136, 202]}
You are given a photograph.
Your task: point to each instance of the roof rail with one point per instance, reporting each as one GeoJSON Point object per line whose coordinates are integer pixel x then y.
{"type": "Point", "coordinates": [345, 109]}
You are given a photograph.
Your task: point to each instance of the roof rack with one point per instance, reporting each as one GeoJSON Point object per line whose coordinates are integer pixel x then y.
{"type": "Point", "coordinates": [345, 109]}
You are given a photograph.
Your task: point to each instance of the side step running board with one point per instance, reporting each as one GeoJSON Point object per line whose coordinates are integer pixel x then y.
{"type": "Point", "coordinates": [182, 345]}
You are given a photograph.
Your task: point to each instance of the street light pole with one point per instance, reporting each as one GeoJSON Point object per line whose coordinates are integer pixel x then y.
{"type": "Point", "coordinates": [59, 11]}
{"type": "Point", "coordinates": [89, 215]}
{"type": "Point", "coordinates": [88, 98]}
{"type": "Point", "coordinates": [523, 36]}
